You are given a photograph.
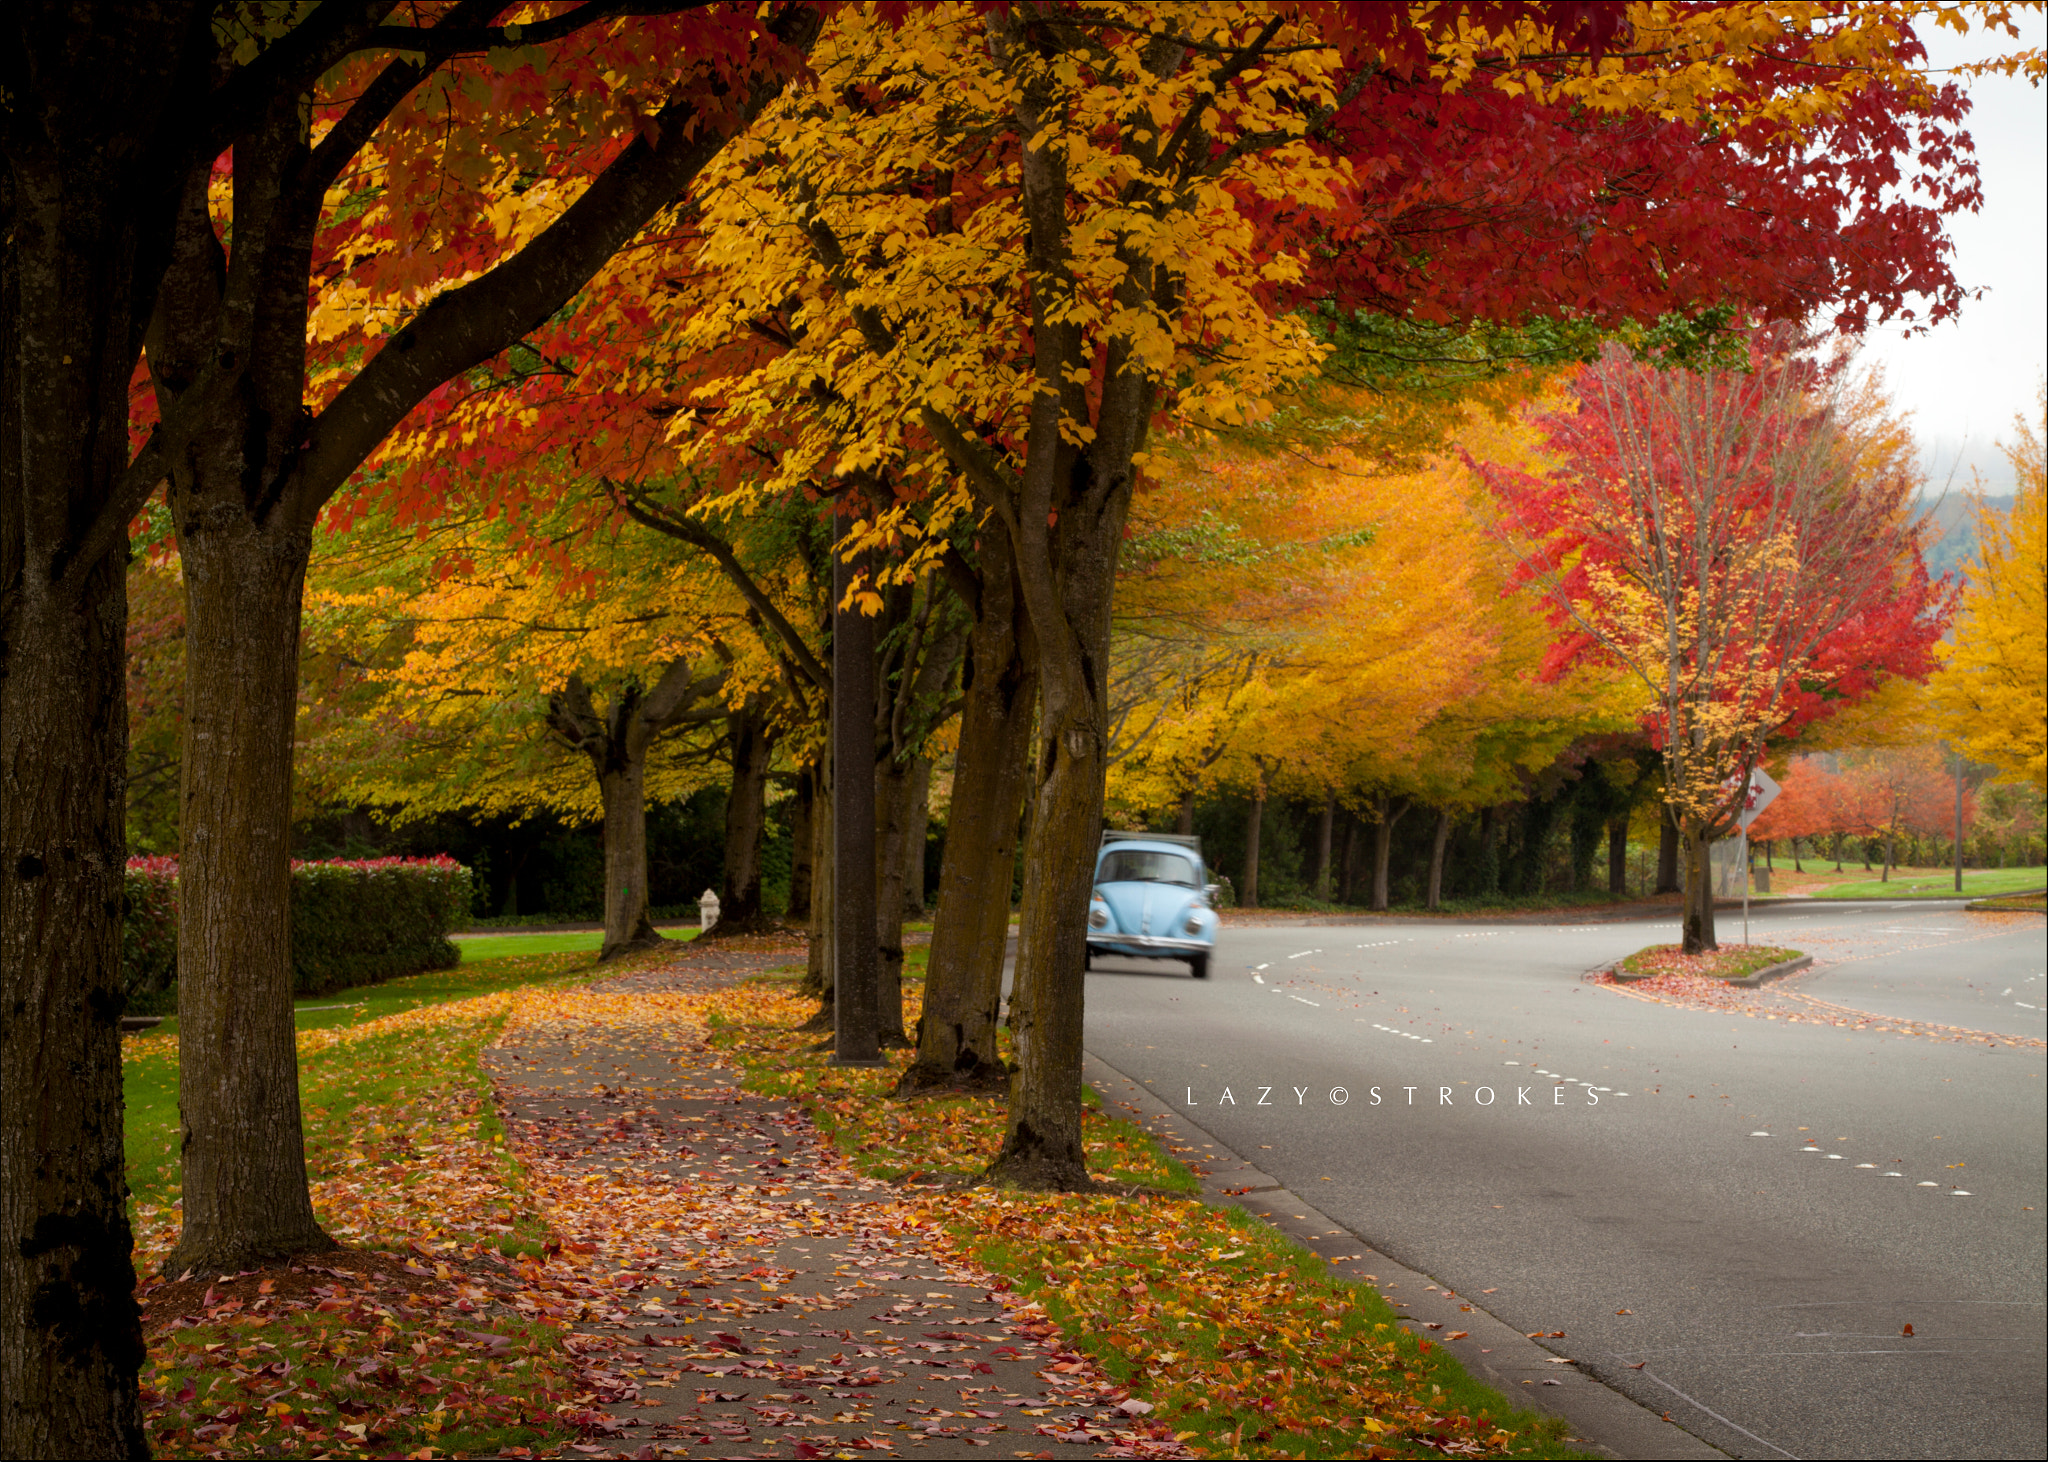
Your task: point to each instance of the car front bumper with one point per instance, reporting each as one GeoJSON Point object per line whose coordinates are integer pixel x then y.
{"type": "Point", "coordinates": [1148, 944]}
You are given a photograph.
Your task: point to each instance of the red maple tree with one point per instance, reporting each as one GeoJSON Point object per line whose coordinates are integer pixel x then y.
{"type": "Point", "coordinates": [1738, 542]}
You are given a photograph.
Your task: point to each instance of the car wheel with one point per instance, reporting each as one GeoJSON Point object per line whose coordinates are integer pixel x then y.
{"type": "Point", "coordinates": [1198, 966]}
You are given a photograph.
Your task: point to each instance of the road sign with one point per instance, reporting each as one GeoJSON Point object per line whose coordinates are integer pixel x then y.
{"type": "Point", "coordinates": [1763, 791]}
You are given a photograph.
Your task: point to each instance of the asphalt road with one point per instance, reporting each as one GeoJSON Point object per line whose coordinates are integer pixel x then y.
{"type": "Point", "coordinates": [1580, 1161]}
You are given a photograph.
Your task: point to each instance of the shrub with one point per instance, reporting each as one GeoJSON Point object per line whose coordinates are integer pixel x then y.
{"type": "Point", "coordinates": [360, 922]}
{"type": "Point", "coordinates": [354, 922]}
{"type": "Point", "coordinates": [149, 935]}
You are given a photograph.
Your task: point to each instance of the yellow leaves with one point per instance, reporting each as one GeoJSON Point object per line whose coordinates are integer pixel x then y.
{"type": "Point", "coordinates": [801, 231]}
{"type": "Point", "coordinates": [1993, 689]}
{"type": "Point", "coordinates": [1352, 627]}
{"type": "Point", "coordinates": [1690, 62]}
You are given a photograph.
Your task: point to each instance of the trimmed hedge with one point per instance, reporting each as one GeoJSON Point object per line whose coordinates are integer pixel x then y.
{"type": "Point", "coordinates": [354, 922]}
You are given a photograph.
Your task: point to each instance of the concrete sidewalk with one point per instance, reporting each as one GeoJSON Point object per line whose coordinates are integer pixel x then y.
{"type": "Point", "coordinates": [763, 1295]}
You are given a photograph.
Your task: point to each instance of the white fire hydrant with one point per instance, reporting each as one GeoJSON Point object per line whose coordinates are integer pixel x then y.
{"type": "Point", "coordinates": [707, 911]}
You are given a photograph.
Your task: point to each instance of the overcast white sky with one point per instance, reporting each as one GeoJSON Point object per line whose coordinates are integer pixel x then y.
{"type": "Point", "coordinates": [1965, 379]}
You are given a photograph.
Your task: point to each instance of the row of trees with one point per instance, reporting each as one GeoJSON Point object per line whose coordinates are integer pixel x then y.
{"type": "Point", "coordinates": [932, 273]}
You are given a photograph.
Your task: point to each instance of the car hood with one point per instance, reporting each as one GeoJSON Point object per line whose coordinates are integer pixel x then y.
{"type": "Point", "coordinates": [1146, 908]}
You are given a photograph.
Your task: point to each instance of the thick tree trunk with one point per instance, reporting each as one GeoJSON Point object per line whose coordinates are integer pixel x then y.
{"type": "Point", "coordinates": [622, 781]}
{"type": "Point", "coordinates": [1184, 815]}
{"type": "Point", "coordinates": [1617, 857]}
{"type": "Point", "coordinates": [855, 1033]}
{"type": "Point", "coordinates": [1324, 828]}
{"type": "Point", "coordinates": [70, 1334]}
{"type": "Point", "coordinates": [245, 1196]}
{"type": "Point", "coordinates": [1248, 895]}
{"type": "Point", "coordinates": [1067, 508]}
{"type": "Point", "coordinates": [956, 1037]}
{"type": "Point", "coordinates": [746, 819]}
{"type": "Point", "coordinates": [617, 741]}
{"type": "Point", "coordinates": [822, 965]}
{"type": "Point", "coordinates": [895, 791]}
{"type": "Point", "coordinates": [918, 837]}
{"type": "Point", "coordinates": [1667, 851]}
{"type": "Point", "coordinates": [802, 852]}
{"type": "Point", "coordinates": [1042, 1146]}
{"type": "Point", "coordinates": [92, 103]}
{"type": "Point", "coordinates": [1697, 934]}
{"type": "Point", "coordinates": [1436, 857]}
{"type": "Point", "coordinates": [1382, 849]}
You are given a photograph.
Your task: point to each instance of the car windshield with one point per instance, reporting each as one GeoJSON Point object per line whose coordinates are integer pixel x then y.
{"type": "Point", "coordinates": [1143, 865]}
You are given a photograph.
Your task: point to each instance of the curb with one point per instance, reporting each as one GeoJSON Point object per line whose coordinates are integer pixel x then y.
{"type": "Point", "coordinates": [1492, 1351]}
{"type": "Point", "coordinates": [1747, 982]}
{"type": "Point", "coordinates": [1772, 972]}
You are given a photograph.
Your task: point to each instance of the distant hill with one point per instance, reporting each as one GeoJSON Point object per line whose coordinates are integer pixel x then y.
{"type": "Point", "coordinates": [1955, 523]}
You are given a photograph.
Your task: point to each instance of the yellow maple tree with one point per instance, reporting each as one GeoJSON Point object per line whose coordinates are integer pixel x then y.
{"type": "Point", "coordinates": [1992, 692]}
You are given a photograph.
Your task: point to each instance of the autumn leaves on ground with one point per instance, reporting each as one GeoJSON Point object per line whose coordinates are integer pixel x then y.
{"type": "Point", "coordinates": [476, 1303]}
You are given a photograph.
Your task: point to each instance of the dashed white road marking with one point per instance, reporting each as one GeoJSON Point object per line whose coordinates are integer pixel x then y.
{"type": "Point", "coordinates": [1304, 954]}
{"type": "Point", "coordinates": [1305, 1002]}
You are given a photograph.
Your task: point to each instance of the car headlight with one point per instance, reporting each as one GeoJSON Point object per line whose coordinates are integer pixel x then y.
{"type": "Point", "coordinates": [1098, 917]}
{"type": "Point", "coordinates": [1197, 918]}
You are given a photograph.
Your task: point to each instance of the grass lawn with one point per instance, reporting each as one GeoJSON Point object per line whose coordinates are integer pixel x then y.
{"type": "Point", "coordinates": [1729, 962]}
{"type": "Point", "coordinates": [1924, 883]}
{"type": "Point", "coordinates": [490, 962]}
{"type": "Point", "coordinates": [2024, 904]}
{"type": "Point", "coordinates": [477, 948]}
{"type": "Point", "coordinates": [149, 1063]}
{"type": "Point", "coordinates": [404, 1153]}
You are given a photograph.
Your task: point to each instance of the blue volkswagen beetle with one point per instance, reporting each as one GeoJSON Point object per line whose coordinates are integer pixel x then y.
{"type": "Point", "coordinates": [1152, 900]}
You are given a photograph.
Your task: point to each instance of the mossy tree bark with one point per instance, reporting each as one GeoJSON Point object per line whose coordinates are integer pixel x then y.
{"type": "Point", "coordinates": [855, 1034]}
{"type": "Point", "coordinates": [750, 746]}
{"type": "Point", "coordinates": [956, 1037]}
{"type": "Point", "coordinates": [245, 1196]}
{"type": "Point", "coordinates": [616, 740]}
{"type": "Point", "coordinates": [923, 635]}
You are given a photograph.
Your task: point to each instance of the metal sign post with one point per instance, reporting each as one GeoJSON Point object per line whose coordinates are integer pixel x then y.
{"type": "Point", "coordinates": [1745, 887]}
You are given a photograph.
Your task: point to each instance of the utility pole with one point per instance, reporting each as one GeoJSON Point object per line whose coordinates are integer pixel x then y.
{"type": "Point", "coordinates": [855, 1040]}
